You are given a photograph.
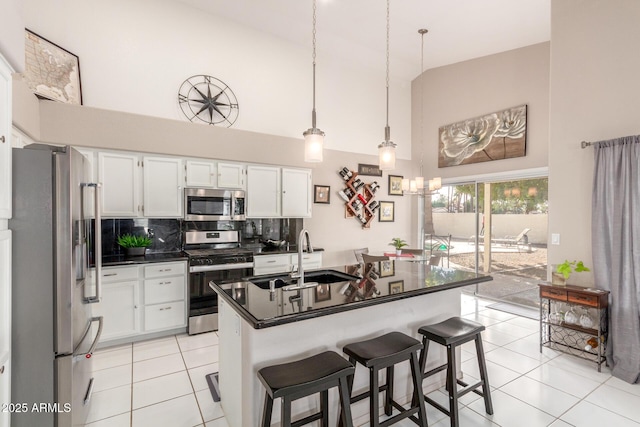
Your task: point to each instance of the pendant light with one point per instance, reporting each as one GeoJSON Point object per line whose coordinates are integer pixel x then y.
{"type": "Point", "coordinates": [313, 137]}
{"type": "Point", "coordinates": [416, 185]}
{"type": "Point", "coordinates": [387, 149]}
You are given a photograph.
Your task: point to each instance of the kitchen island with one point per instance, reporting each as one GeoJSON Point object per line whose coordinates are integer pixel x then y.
{"type": "Point", "coordinates": [259, 327]}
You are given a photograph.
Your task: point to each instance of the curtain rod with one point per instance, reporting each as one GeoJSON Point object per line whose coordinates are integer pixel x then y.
{"type": "Point", "coordinates": [585, 144]}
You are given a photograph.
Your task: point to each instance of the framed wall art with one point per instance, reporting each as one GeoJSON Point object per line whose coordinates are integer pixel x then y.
{"type": "Point", "coordinates": [396, 287]}
{"type": "Point", "coordinates": [495, 136]}
{"type": "Point", "coordinates": [51, 71]}
{"type": "Point", "coordinates": [370, 170]}
{"type": "Point", "coordinates": [395, 185]}
{"type": "Point", "coordinates": [386, 212]}
{"type": "Point", "coordinates": [321, 194]}
{"type": "Point", "coordinates": [387, 268]}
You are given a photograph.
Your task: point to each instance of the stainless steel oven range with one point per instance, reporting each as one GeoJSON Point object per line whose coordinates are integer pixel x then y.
{"type": "Point", "coordinates": [213, 255]}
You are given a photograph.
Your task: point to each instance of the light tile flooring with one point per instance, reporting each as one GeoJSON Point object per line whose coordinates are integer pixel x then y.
{"type": "Point", "coordinates": [162, 382]}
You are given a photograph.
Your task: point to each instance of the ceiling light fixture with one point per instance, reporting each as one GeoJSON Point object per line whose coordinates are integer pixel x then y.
{"type": "Point", "coordinates": [387, 149]}
{"type": "Point", "coordinates": [416, 185]}
{"type": "Point", "coordinates": [313, 137]}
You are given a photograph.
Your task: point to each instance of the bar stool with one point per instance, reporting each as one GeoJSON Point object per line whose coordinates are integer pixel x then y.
{"type": "Point", "coordinates": [315, 374]}
{"type": "Point", "coordinates": [385, 352]}
{"type": "Point", "coordinates": [452, 333]}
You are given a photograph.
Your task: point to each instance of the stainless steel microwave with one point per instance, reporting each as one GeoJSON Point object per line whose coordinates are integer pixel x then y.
{"type": "Point", "coordinates": [204, 204]}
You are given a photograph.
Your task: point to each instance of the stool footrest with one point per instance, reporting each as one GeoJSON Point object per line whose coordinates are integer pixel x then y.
{"type": "Point", "coordinates": [406, 413]}
{"type": "Point", "coordinates": [365, 394]}
{"type": "Point", "coordinates": [307, 419]}
{"type": "Point", "coordinates": [437, 405]}
{"type": "Point", "coordinates": [434, 371]}
{"type": "Point", "coordinates": [473, 388]}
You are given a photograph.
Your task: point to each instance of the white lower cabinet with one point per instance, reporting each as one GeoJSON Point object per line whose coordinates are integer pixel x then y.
{"type": "Point", "coordinates": [142, 299]}
{"type": "Point", "coordinates": [165, 287]}
{"type": "Point", "coordinates": [270, 264]}
{"type": "Point", "coordinates": [284, 263]}
{"type": "Point", "coordinates": [119, 305]}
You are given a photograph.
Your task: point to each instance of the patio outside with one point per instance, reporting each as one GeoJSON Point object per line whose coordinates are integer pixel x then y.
{"type": "Point", "coordinates": [516, 206]}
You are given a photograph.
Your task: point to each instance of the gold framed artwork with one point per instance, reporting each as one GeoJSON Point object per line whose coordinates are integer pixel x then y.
{"type": "Point", "coordinates": [387, 212]}
{"type": "Point", "coordinates": [495, 136]}
{"type": "Point", "coordinates": [387, 268]}
{"type": "Point", "coordinates": [51, 71]}
{"type": "Point", "coordinates": [395, 185]}
{"type": "Point", "coordinates": [396, 287]}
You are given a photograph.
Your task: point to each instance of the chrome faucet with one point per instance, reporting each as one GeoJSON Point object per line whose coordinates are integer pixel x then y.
{"type": "Point", "coordinates": [300, 274]}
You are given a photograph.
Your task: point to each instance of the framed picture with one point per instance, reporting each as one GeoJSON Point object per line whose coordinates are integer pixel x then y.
{"type": "Point", "coordinates": [371, 170]}
{"type": "Point", "coordinates": [387, 268]}
{"type": "Point", "coordinates": [503, 136]}
{"type": "Point", "coordinates": [395, 185]}
{"type": "Point", "coordinates": [51, 71]}
{"type": "Point", "coordinates": [323, 292]}
{"type": "Point", "coordinates": [321, 194]}
{"type": "Point", "coordinates": [387, 212]}
{"type": "Point", "coordinates": [396, 287]}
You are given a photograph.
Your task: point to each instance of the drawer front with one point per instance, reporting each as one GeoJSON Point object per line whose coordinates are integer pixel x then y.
{"type": "Point", "coordinates": [308, 259]}
{"type": "Point", "coordinates": [164, 316]}
{"type": "Point", "coordinates": [590, 300]}
{"type": "Point", "coordinates": [165, 269]}
{"type": "Point", "coordinates": [268, 261]}
{"type": "Point", "coordinates": [557, 294]}
{"type": "Point", "coordinates": [164, 289]}
{"type": "Point", "coordinates": [118, 274]}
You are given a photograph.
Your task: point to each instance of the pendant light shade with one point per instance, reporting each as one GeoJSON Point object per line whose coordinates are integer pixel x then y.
{"type": "Point", "coordinates": [387, 149]}
{"type": "Point", "coordinates": [313, 137]}
{"type": "Point", "coordinates": [313, 145]}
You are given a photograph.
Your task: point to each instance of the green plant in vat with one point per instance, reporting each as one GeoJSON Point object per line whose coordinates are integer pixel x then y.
{"type": "Point", "coordinates": [132, 241]}
{"type": "Point", "coordinates": [566, 268]}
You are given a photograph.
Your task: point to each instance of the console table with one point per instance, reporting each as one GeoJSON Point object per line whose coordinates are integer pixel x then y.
{"type": "Point", "coordinates": [574, 320]}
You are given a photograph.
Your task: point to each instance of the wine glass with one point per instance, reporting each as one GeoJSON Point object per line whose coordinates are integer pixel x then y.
{"type": "Point", "coordinates": [571, 316]}
{"type": "Point", "coordinates": [586, 321]}
{"type": "Point", "coordinates": [556, 316]}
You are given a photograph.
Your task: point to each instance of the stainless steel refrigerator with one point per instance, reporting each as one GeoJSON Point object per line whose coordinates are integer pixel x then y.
{"type": "Point", "coordinates": [53, 330]}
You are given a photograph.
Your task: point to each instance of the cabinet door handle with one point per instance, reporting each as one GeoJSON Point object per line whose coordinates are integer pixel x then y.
{"type": "Point", "coordinates": [165, 308]}
{"type": "Point", "coordinates": [164, 283]}
{"type": "Point", "coordinates": [271, 262]}
{"type": "Point", "coordinates": [2, 367]}
{"type": "Point", "coordinates": [109, 274]}
{"type": "Point", "coordinates": [2, 140]}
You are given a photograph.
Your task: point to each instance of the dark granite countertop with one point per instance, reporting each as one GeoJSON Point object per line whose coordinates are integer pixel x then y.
{"type": "Point", "coordinates": [378, 283]}
{"type": "Point", "coordinates": [115, 260]}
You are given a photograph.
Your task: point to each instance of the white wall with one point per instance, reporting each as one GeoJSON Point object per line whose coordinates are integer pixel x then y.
{"type": "Point", "coordinates": [134, 54]}
{"type": "Point", "coordinates": [594, 96]}
{"type": "Point", "coordinates": [12, 33]}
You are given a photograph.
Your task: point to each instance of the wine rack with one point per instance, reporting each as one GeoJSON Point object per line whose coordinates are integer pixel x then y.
{"type": "Point", "coordinates": [367, 212]}
{"type": "Point", "coordinates": [559, 334]}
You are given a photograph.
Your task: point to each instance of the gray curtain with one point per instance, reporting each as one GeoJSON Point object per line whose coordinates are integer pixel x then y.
{"type": "Point", "coordinates": [615, 231]}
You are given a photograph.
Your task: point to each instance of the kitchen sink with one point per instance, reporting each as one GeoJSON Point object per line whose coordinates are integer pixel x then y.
{"type": "Point", "coordinates": [316, 276]}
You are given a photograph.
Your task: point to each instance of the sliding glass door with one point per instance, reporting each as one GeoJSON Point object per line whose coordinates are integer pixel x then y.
{"type": "Point", "coordinates": [497, 228]}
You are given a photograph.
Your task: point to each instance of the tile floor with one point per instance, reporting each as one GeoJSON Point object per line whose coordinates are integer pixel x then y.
{"type": "Point", "coordinates": [162, 382]}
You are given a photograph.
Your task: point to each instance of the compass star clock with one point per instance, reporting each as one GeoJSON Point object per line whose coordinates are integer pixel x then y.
{"type": "Point", "coordinates": [206, 99]}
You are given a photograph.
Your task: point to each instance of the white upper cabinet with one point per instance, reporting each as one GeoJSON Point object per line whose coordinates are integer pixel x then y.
{"type": "Point", "coordinates": [231, 175]}
{"type": "Point", "coordinates": [201, 174]}
{"type": "Point", "coordinates": [5, 139]}
{"type": "Point", "coordinates": [263, 192]}
{"type": "Point", "coordinates": [162, 187]}
{"type": "Point", "coordinates": [119, 175]}
{"type": "Point", "coordinates": [296, 193]}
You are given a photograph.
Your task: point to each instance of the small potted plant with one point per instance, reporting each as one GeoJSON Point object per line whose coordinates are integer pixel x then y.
{"type": "Point", "coordinates": [398, 243]}
{"type": "Point", "coordinates": [134, 245]}
{"type": "Point", "coordinates": [564, 270]}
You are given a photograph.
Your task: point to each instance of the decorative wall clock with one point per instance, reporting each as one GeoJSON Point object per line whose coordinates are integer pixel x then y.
{"type": "Point", "coordinates": [206, 99]}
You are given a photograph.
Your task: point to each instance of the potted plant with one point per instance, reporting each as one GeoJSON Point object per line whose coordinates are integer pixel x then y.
{"type": "Point", "coordinates": [134, 245]}
{"type": "Point", "coordinates": [398, 243]}
{"type": "Point", "coordinates": [564, 270]}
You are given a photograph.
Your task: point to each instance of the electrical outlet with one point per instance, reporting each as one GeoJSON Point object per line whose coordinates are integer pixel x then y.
{"type": "Point", "coordinates": [555, 238]}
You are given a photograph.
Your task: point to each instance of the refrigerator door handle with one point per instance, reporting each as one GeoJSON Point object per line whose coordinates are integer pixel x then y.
{"type": "Point", "coordinates": [97, 231]}
{"type": "Point", "coordinates": [89, 352]}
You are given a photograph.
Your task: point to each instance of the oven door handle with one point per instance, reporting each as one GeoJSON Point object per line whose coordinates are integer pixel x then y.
{"type": "Point", "coordinates": [220, 267]}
